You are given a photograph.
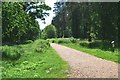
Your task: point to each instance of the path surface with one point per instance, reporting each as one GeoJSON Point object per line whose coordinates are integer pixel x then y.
{"type": "Point", "coordinates": [86, 66]}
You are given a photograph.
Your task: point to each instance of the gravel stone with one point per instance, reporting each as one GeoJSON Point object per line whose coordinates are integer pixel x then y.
{"type": "Point", "coordinates": [83, 65]}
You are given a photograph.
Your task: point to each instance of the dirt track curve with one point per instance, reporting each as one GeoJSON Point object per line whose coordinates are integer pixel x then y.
{"type": "Point", "coordinates": [83, 65]}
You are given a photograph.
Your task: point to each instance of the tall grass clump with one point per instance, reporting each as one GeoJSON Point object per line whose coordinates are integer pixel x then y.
{"type": "Point", "coordinates": [10, 52]}
{"type": "Point", "coordinates": [63, 40]}
{"type": "Point", "coordinates": [40, 45]}
{"type": "Point", "coordinates": [38, 60]}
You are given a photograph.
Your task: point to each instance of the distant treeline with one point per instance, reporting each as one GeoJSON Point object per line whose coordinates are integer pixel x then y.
{"type": "Point", "coordinates": [87, 19]}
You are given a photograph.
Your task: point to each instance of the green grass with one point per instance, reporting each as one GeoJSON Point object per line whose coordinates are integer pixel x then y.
{"type": "Point", "coordinates": [98, 48]}
{"type": "Point", "coordinates": [62, 40]}
{"type": "Point", "coordinates": [10, 52]}
{"type": "Point", "coordinates": [98, 44]}
{"type": "Point", "coordinates": [38, 60]}
{"type": "Point", "coordinates": [108, 55]}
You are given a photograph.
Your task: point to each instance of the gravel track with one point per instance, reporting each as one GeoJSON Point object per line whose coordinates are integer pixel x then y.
{"type": "Point", "coordinates": [83, 65]}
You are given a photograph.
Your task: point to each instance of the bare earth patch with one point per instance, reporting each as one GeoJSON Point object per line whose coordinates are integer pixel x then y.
{"type": "Point", "coordinates": [83, 65]}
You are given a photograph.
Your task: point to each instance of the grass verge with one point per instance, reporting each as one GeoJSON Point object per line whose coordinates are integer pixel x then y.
{"type": "Point", "coordinates": [36, 61]}
{"type": "Point", "coordinates": [108, 55]}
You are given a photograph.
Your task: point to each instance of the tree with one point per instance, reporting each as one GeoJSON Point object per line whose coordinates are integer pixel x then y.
{"type": "Point", "coordinates": [0, 22]}
{"type": "Point", "coordinates": [17, 25]}
{"type": "Point", "coordinates": [36, 9]}
{"type": "Point", "coordinates": [85, 20]}
{"type": "Point", "coordinates": [49, 32]}
{"type": "Point", "coordinates": [61, 20]}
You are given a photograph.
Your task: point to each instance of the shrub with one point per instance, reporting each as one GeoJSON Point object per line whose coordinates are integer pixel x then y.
{"type": "Point", "coordinates": [84, 44]}
{"type": "Point", "coordinates": [104, 45]}
{"type": "Point", "coordinates": [53, 40]}
{"type": "Point", "coordinates": [73, 40]}
{"type": "Point", "coordinates": [63, 40]}
{"type": "Point", "coordinates": [28, 41]}
{"type": "Point", "coordinates": [40, 45]}
{"type": "Point", "coordinates": [11, 53]}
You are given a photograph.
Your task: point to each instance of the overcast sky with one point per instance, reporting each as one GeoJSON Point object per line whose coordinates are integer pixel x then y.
{"type": "Point", "coordinates": [48, 19]}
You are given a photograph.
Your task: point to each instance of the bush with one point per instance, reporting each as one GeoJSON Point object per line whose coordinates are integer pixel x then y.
{"type": "Point", "coordinates": [42, 43]}
{"type": "Point", "coordinates": [104, 45]}
{"type": "Point", "coordinates": [40, 46]}
{"type": "Point", "coordinates": [64, 40]}
{"type": "Point", "coordinates": [28, 41]}
{"type": "Point", "coordinates": [11, 53]}
{"type": "Point", "coordinates": [84, 44]}
{"type": "Point", "coordinates": [73, 40]}
{"type": "Point", "coordinates": [53, 40]}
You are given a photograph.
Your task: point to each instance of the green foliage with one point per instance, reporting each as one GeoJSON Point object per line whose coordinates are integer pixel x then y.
{"type": "Point", "coordinates": [12, 53]}
{"type": "Point", "coordinates": [63, 40]}
{"type": "Point", "coordinates": [28, 41]}
{"type": "Point", "coordinates": [39, 50]}
{"type": "Point", "coordinates": [81, 20]}
{"type": "Point", "coordinates": [44, 44]}
{"type": "Point", "coordinates": [40, 46]}
{"type": "Point", "coordinates": [17, 25]}
{"type": "Point", "coordinates": [31, 64]}
{"type": "Point", "coordinates": [108, 55]}
{"type": "Point", "coordinates": [39, 10]}
{"type": "Point", "coordinates": [74, 40]}
{"type": "Point", "coordinates": [93, 36]}
{"type": "Point", "coordinates": [96, 44]}
{"type": "Point", "coordinates": [99, 48]}
{"type": "Point", "coordinates": [103, 45]}
{"type": "Point", "coordinates": [49, 32]}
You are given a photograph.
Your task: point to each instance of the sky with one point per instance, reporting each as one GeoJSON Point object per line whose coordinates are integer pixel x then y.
{"type": "Point", "coordinates": [48, 19]}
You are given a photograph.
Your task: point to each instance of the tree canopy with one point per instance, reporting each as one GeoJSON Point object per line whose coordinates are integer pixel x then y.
{"type": "Point", "coordinates": [84, 19]}
{"type": "Point", "coordinates": [36, 9]}
{"type": "Point", "coordinates": [17, 25]}
{"type": "Point", "coordinates": [49, 32]}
